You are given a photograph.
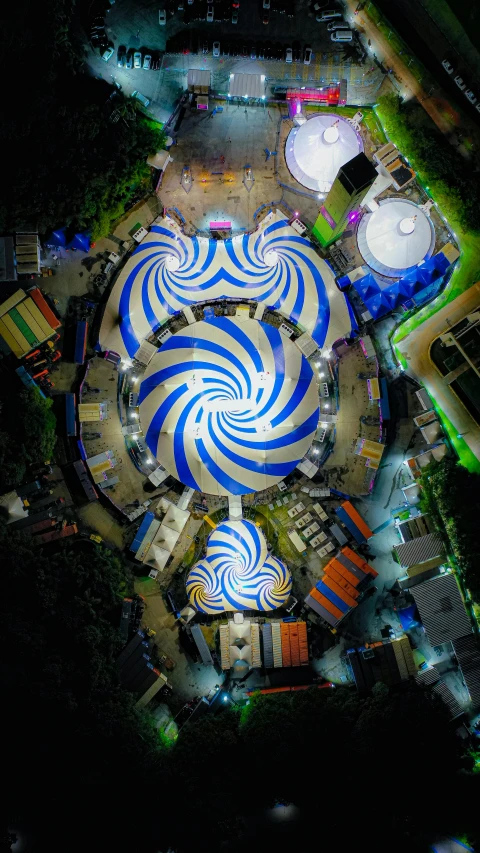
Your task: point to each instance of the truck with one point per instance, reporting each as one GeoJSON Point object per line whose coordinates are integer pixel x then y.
{"type": "Point", "coordinates": [28, 489]}
{"type": "Point", "coordinates": [42, 538]}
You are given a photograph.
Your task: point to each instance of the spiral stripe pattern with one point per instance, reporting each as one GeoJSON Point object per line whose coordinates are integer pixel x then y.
{"type": "Point", "coordinates": [229, 406]}
{"type": "Point", "coordinates": [237, 572]}
{"type": "Point", "coordinates": [169, 271]}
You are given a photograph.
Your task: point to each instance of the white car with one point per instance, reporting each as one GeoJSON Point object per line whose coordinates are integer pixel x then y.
{"type": "Point", "coordinates": [216, 49]}
{"type": "Point", "coordinates": [137, 59]}
{"type": "Point", "coordinates": [448, 66]}
{"type": "Point", "coordinates": [162, 17]}
{"type": "Point", "coordinates": [266, 4]}
{"type": "Point", "coordinates": [471, 96]}
{"type": "Point", "coordinates": [336, 25]}
{"type": "Point", "coordinates": [461, 85]}
{"type": "Point", "coordinates": [107, 54]}
{"type": "Point", "coordinates": [147, 61]}
{"type": "Point", "coordinates": [289, 55]}
{"type": "Point", "coordinates": [210, 14]}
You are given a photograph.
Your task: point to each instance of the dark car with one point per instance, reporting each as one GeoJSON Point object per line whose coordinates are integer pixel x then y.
{"type": "Point", "coordinates": [266, 16]}
{"type": "Point", "coordinates": [261, 52]}
{"type": "Point", "coordinates": [268, 50]}
{"type": "Point", "coordinates": [129, 59]}
{"type": "Point", "coordinates": [121, 56]}
{"type": "Point", "coordinates": [245, 51]}
{"type": "Point", "coordinates": [253, 51]}
{"type": "Point", "coordinates": [279, 51]}
{"type": "Point", "coordinates": [297, 52]}
{"type": "Point", "coordinates": [205, 47]}
{"type": "Point", "coordinates": [235, 50]}
{"type": "Point", "coordinates": [226, 48]}
{"type": "Point", "coordinates": [290, 9]}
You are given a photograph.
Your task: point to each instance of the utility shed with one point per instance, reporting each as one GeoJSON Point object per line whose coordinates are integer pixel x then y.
{"type": "Point", "coordinates": [246, 86]}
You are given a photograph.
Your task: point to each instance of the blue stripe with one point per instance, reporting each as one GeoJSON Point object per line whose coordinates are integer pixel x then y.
{"type": "Point", "coordinates": [328, 593]}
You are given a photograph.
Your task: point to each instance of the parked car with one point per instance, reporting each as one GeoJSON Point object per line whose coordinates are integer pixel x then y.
{"type": "Point", "coordinates": [478, 107]}
{"type": "Point", "coordinates": [236, 4]}
{"type": "Point", "coordinates": [245, 50]}
{"type": "Point", "coordinates": [129, 60]}
{"type": "Point", "coordinates": [329, 15]}
{"type": "Point", "coordinates": [448, 66]}
{"type": "Point", "coordinates": [471, 96]}
{"type": "Point", "coordinates": [266, 4]}
{"type": "Point", "coordinates": [162, 17]}
{"type": "Point", "coordinates": [253, 52]}
{"type": "Point", "coordinates": [307, 56]}
{"type": "Point", "coordinates": [147, 61]}
{"type": "Point", "coordinates": [297, 52]}
{"type": "Point", "coordinates": [137, 59]}
{"type": "Point", "coordinates": [342, 35]}
{"type": "Point", "coordinates": [210, 14]}
{"type": "Point", "coordinates": [205, 47]}
{"type": "Point", "coordinates": [266, 17]}
{"type": "Point", "coordinates": [461, 85]}
{"type": "Point", "coordinates": [289, 55]}
{"type": "Point", "coordinates": [216, 49]}
{"type": "Point", "coordinates": [336, 25]}
{"type": "Point", "coordinates": [261, 52]}
{"type": "Point", "coordinates": [107, 53]}
{"type": "Point", "coordinates": [121, 57]}
{"type": "Point", "coordinates": [226, 48]}
{"type": "Point", "coordinates": [181, 6]}
{"type": "Point", "coordinates": [234, 17]}
{"type": "Point", "coordinates": [139, 97]}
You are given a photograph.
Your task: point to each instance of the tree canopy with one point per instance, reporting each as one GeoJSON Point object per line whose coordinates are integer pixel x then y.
{"type": "Point", "coordinates": [452, 495]}
{"type": "Point", "coordinates": [440, 168]}
{"type": "Point", "coordinates": [68, 163]}
{"type": "Point", "coordinates": [27, 433]}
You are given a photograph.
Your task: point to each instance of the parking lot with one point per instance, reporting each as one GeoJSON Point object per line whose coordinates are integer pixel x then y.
{"type": "Point", "coordinates": [179, 46]}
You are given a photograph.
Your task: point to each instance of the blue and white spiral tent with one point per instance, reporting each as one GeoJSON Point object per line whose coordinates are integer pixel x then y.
{"type": "Point", "coordinates": [273, 265]}
{"type": "Point", "coordinates": [237, 572]}
{"type": "Point", "coordinates": [229, 406]}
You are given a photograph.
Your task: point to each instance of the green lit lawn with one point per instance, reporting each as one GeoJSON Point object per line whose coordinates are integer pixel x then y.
{"type": "Point", "coordinates": [465, 455]}
{"type": "Point", "coordinates": [370, 119]}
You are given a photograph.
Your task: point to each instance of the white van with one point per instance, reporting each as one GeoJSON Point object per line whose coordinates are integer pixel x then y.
{"type": "Point", "coordinates": [329, 15]}
{"type": "Point", "coordinates": [143, 100]}
{"type": "Point", "coordinates": [342, 35]}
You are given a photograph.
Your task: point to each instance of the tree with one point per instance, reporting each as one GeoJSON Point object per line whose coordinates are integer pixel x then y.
{"type": "Point", "coordinates": [28, 433]}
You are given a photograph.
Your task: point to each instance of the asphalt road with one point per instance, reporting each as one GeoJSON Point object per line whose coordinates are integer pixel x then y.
{"type": "Point", "coordinates": [416, 349]}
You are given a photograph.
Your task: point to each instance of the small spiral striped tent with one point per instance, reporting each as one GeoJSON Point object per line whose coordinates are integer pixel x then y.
{"type": "Point", "coordinates": [237, 572]}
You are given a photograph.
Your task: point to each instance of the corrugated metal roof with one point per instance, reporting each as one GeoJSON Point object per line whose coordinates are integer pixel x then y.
{"type": "Point", "coordinates": [247, 85]}
{"type": "Point", "coordinates": [441, 609]}
{"type": "Point", "coordinates": [449, 699]}
{"type": "Point", "coordinates": [427, 676]}
{"type": "Point", "coordinates": [201, 645]}
{"type": "Point", "coordinates": [420, 549]}
{"type": "Point", "coordinates": [467, 651]}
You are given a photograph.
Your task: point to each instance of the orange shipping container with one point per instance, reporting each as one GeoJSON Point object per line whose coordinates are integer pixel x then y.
{"type": "Point", "coordinates": [285, 635]}
{"type": "Point", "coordinates": [357, 519]}
{"type": "Point", "coordinates": [326, 603]}
{"type": "Point", "coordinates": [331, 572]}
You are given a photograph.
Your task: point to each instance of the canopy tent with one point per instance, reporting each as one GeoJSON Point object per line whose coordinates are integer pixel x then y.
{"type": "Point", "coordinates": [80, 241]}
{"type": "Point", "coordinates": [175, 518]}
{"type": "Point", "coordinates": [407, 617]}
{"type": "Point", "coordinates": [378, 305]}
{"type": "Point", "coordinates": [397, 237]}
{"type": "Point", "coordinates": [57, 238]}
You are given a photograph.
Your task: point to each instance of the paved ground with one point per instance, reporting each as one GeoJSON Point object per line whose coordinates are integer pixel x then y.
{"type": "Point", "coordinates": [416, 349]}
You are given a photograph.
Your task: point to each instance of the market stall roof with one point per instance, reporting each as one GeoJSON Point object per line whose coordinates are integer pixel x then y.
{"type": "Point", "coordinates": [247, 86]}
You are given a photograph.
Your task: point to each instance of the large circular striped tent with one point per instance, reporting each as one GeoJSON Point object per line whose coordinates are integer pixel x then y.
{"type": "Point", "coordinates": [229, 405]}
{"type": "Point", "coordinates": [237, 572]}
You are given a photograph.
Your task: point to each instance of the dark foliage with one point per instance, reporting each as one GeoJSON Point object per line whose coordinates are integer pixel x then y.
{"type": "Point", "coordinates": [27, 433]}
{"type": "Point", "coordinates": [68, 164]}
{"type": "Point", "coordinates": [452, 495]}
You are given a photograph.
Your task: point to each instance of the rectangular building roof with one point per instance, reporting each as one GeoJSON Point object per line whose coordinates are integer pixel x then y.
{"type": "Point", "coordinates": [419, 550]}
{"type": "Point", "coordinates": [467, 651]}
{"type": "Point", "coordinates": [441, 609]}
{"type": "Point", "coordinates": [247, 86]}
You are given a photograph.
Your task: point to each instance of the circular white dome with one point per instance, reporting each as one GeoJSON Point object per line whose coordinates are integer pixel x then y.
{"type": "Point", "coordinates": [316, 150]}
{"type": "Point", "coordinates": [396, 237]}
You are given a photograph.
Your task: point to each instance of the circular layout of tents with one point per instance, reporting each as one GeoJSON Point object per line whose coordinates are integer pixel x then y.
{"type": "Point", "coordinates": [396, 237]}
{"type": "Point", "coordinates": [237, 572]}
{"type": "Point", "coordinates": [315, 151]}
{"type": "Point", "coordinates": [273, 266]}
{"type": "Point", "coordinates": [229, 405]}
